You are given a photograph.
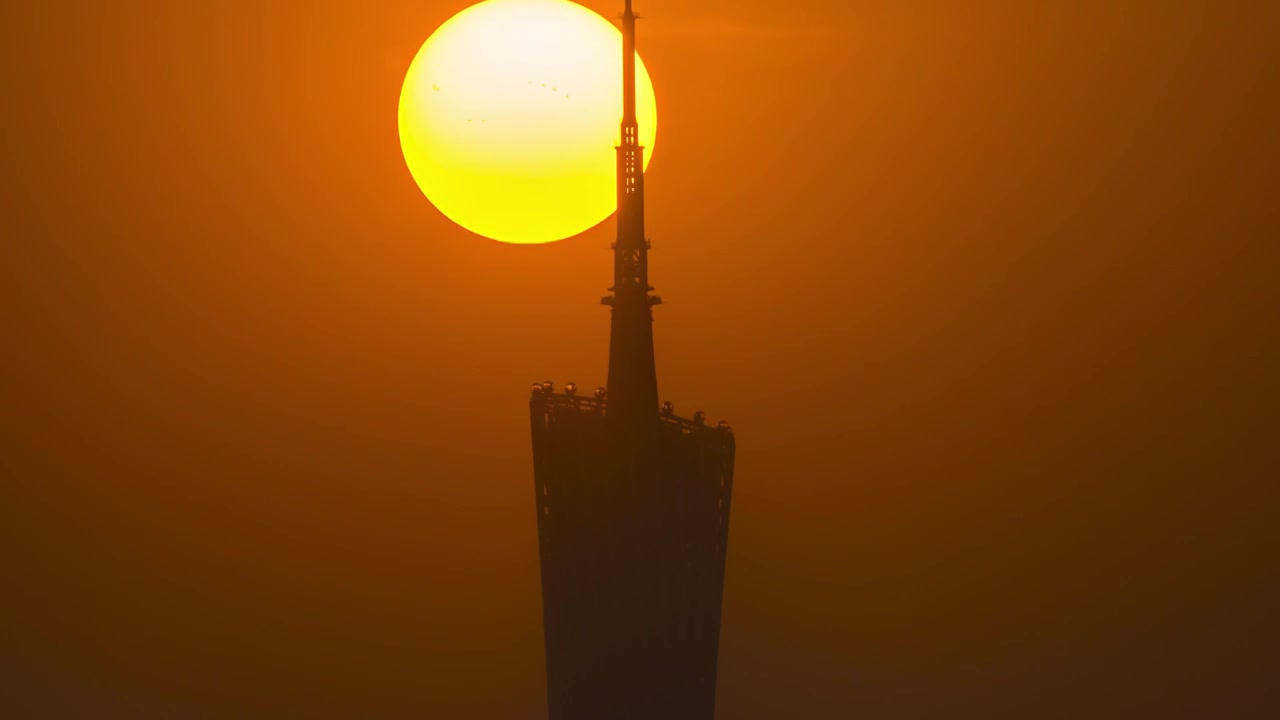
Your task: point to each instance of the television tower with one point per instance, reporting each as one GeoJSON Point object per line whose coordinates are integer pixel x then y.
{"type": "Point", "coordinates": [632, 505]}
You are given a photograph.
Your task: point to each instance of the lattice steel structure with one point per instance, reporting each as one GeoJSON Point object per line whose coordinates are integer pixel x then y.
{"type": "Point", "coordinates": [633, 507]}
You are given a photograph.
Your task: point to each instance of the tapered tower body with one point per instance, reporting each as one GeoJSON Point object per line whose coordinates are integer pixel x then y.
{"type": "Point", "coordinates": [632, 505]}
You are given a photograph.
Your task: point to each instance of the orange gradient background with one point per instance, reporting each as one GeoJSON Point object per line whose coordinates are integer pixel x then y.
{"type": "Point", "coordinates": [987, 291]}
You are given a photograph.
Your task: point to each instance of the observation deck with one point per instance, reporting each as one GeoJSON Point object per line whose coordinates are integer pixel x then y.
{"type": "Point", "coordinates": [632, 552]}
{"type": "Point", "coordinates": [569, 400]}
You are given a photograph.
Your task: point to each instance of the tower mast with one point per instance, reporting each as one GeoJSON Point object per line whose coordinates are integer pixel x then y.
{"type": "Point", "coordinates": [633, 382]}
{"type": "Point", "coordinates": [632, 506]}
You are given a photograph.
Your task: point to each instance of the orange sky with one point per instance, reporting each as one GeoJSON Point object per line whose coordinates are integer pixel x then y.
{"type": "Point", "coordinates": [987, 291]}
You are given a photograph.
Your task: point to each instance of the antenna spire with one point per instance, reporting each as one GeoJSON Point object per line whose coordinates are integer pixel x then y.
{"type": "Point", "coordinates": [633, 383]}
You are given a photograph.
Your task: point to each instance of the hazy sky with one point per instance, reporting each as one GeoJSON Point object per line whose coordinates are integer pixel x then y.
{"type": "Point", "coordinates": [987, 290]}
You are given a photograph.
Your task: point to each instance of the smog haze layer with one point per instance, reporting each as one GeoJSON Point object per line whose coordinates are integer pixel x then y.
{"type": "Point", "coordinates": [987, 291]}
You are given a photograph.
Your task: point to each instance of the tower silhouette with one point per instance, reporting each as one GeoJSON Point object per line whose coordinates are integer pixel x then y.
{"type": "Point", "coordinates": [632, 505]}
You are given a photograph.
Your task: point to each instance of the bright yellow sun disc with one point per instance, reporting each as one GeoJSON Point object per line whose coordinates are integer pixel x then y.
{"type": "Point", "coordinates": [509, 117]}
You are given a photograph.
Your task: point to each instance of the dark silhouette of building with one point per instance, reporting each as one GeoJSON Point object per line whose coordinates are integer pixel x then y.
{"type": "Point", "coordinates": [633, 507]}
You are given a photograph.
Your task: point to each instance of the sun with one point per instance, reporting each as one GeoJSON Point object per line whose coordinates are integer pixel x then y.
{"type": "Point", "coordinates": [509, 117]}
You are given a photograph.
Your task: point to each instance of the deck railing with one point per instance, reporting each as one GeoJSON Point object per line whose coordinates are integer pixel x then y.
{"type": "Point", "coordinates": [553, 401]}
